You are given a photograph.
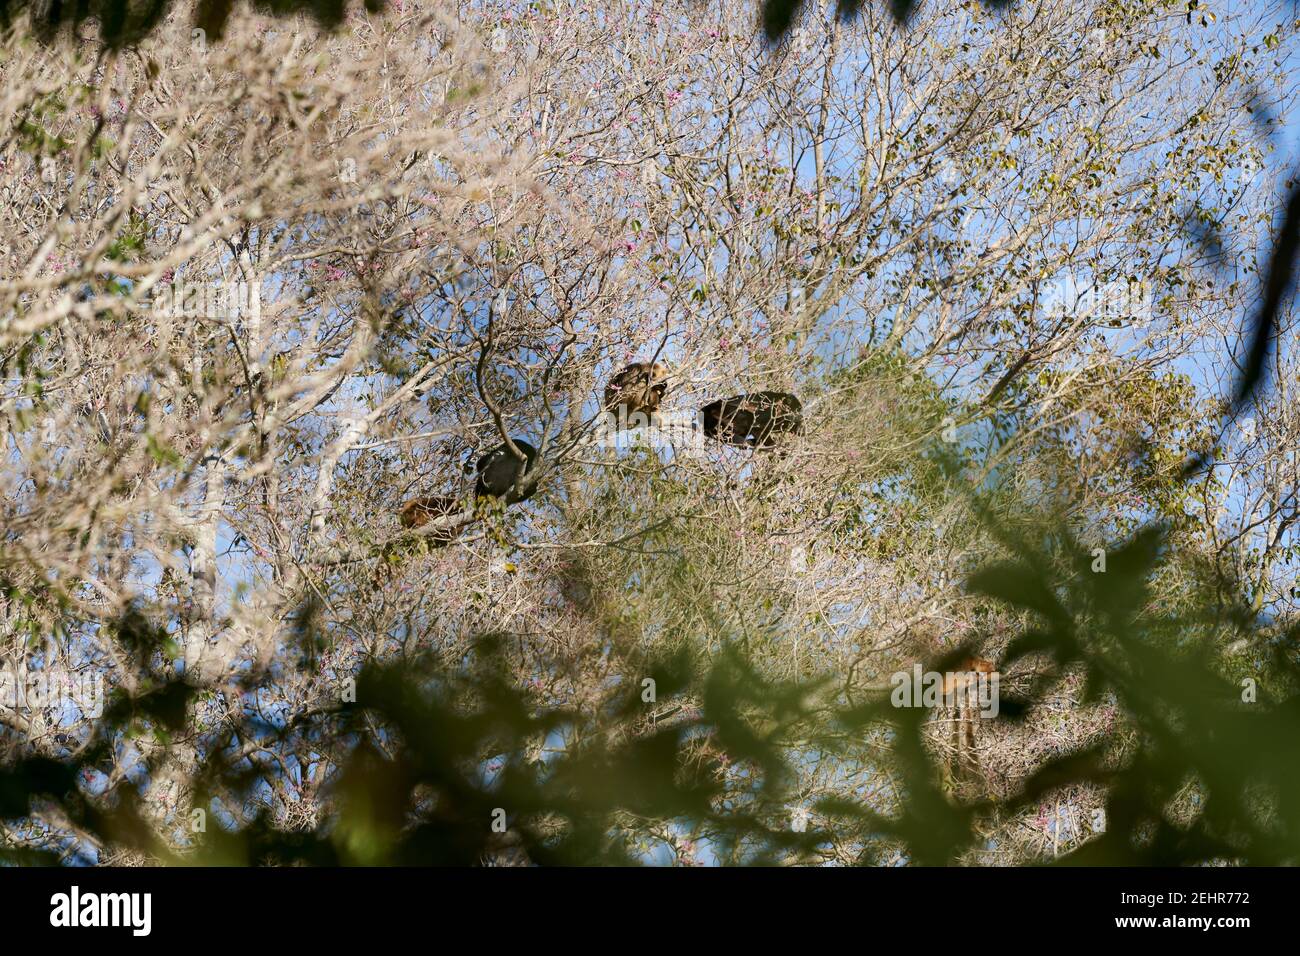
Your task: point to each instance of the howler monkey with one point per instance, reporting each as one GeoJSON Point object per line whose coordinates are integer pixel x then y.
{"type": "Point", "coordinates": [754, 420]}
{"type": "Point", "coordinates": [638, 388]}
{"type": "Point", "coordinates": [418, 512]}
{"type": "Point", "coordinates": [498, 469]}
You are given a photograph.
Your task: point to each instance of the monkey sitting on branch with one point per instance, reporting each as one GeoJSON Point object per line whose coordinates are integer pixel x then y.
{"type": "Point", "coordinates": [418, 512]}
{"type": "Point", "coordinates": [500, 469]}
{"type": "Point", "coordinates": [637, 390]}
{"type": "Point", "coordinates": [755, 420]}
{"type": "Point", "coordinates": [498, 475]}
{"type": "Point", "coordinates": [447, 515]}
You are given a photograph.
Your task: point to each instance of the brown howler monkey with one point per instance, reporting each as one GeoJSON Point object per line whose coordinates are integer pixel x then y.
{"type": "Point", "coordinates": [418, 512]}
{"type": "Point", "coordinates": [960, 687]}
{"type": "Point", "coordinates": [639, 388]}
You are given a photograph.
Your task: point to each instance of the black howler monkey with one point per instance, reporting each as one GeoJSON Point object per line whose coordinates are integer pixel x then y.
{"type": "Point", "coordinates": [754, 420]}
{"type": "Point", "coordinates": [498, 468]}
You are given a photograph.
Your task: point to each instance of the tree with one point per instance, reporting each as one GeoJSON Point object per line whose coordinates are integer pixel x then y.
{"type": "Point", "coordinates": [268, 290]}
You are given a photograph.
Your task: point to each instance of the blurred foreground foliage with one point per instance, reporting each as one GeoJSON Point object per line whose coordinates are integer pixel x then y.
{"type": "Point", "coordinates": [450, 764]}
{"type": "Point", "coordinates": [124, 23]}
